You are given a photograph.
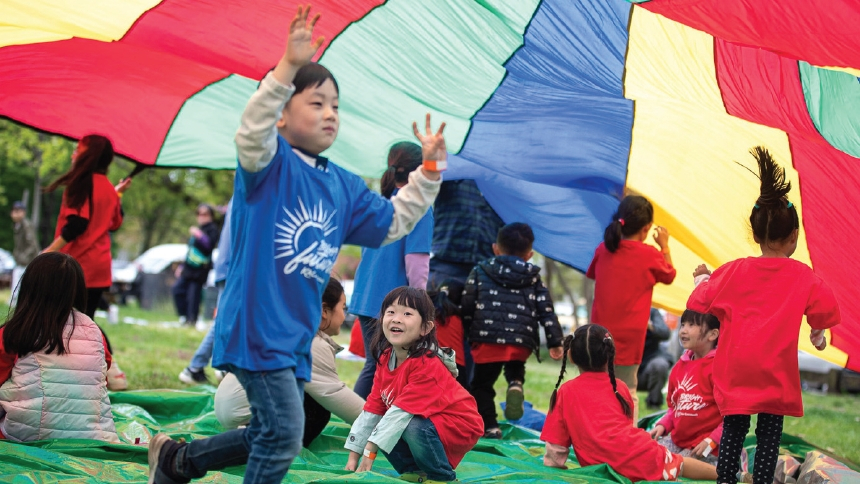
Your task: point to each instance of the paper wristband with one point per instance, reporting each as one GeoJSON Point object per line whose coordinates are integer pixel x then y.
{"type": "Point", "coordinates": [436, 165]}
{"type": "Point", "coordinates": [370, 455]}
{"type": "Point", "coordinates": [711, 446]}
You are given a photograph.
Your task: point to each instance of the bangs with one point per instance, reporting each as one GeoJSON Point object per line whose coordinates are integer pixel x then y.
{"type": "Point", "coordinates": [411, 298]}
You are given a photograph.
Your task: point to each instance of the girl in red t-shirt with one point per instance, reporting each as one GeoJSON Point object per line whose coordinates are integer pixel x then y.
{"type": "Point", "coordinates": [693, 426]}
{"type": "Point", "coordinates": [449, 326]}
{"type": "Point", "coordinates": [625, 271]}
{"type": "Point", "coordinates": [416, 414]}
{"type": "Point", "coordinates": [595, 415]}
{"type": "Point", "coordinates": [760, 302]}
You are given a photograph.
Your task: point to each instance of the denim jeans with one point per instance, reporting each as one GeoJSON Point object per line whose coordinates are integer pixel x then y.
{"type": "Point", "coordinates": [270, 442]}
{"type": "Point", "coordinates": [364, 382]}
{"type": "Point", "coordinates": [420, 450]}
{"type": "Point", "coordinates": [204, 351]}
{"type": "Point", "coordinates": [187, 294]}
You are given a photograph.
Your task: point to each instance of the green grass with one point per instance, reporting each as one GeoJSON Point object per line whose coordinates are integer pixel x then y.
{"type": "Point", "coordinates": [153, 355]}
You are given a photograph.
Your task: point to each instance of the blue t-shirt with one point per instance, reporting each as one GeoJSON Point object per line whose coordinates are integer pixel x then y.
{"type": "Point", "coordinates": [384, 269]}
{"type": "Point", "coordinates": [288, 223]}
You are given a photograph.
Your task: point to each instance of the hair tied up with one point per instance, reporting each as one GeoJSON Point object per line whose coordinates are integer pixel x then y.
{"type": "Point", "coordinates": [607, 339]}
{"type": "Point", "coordinates": [621, 221]}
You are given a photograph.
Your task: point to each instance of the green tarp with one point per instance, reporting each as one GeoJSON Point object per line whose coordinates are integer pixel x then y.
{"type": "Point", "coordinates": [518, 457]}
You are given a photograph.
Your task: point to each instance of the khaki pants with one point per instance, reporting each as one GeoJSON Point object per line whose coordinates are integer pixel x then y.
{"type": "Point", "coordinates": [627, 374]}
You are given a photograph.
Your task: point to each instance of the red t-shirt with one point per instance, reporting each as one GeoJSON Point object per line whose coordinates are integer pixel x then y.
{"type": "Point", "coordinates": [693, 413]}
{"type": "Point", "coordinates": [588, 416]}
{"type": "Point", "coordinates": [496, 353]}
{"type": "Point", "coordinates": [624, 283]}
{"type": "Point", "coordinates": [760, 302]}
{"type": "Point", "coordinates": [92, 248]}
{"type": "Point", "coordinates": [424, 387]}
{"type": "Point", "coordinates": [450, 335]}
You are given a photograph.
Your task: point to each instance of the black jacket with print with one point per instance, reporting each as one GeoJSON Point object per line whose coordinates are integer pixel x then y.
{"type": "Point", "coordinates": [505, 300]}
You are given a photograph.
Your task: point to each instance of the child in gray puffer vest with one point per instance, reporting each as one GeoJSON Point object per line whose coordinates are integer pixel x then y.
{"type": "Point", "coordinates": [503, 304]}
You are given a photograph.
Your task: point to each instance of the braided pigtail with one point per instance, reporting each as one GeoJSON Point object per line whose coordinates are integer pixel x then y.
{"type": "Point", "coordinates": [568, 340]}
{"type": "Point", "coordinates": [609, 347]}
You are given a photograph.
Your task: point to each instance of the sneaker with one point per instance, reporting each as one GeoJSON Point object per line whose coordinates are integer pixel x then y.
{"type": "Point", "coordinates": [219, 375]}
{"type": "Point", "coordinates": [493, 433]}
{"type": "Point", "coordinates": [193, 377]}
{"type": "Point", "coordinates": [158, 450]}
{"type": "Point", "coordinates": [182, 319]}
{"type": "Point", "coordinates": [116, 381]}
{"type": "Point", "coordinates": [514, 401]}
{"type": "Point", "coordinates": [413, 477]}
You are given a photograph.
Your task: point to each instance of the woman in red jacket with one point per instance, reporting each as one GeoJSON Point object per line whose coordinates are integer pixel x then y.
{"type": "Point", "coordinates": [90, 211]}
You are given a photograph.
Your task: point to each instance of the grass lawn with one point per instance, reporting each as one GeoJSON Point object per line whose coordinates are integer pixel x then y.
{"type": "Point", "coordinates": [154, 351]}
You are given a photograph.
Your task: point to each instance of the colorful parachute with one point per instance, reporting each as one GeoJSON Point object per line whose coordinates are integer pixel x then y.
{"type": "Point", "coordinates": [556, 107]}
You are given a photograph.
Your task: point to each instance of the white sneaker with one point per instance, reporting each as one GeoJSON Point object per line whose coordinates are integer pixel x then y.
{"type": "Point", "coordinates": [116, 380]}
{"type": "Point", "coordinates": [219, 375]}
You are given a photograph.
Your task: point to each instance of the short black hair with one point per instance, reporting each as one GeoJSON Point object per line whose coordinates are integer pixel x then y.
{"type": "Point", "coordinates": [313, 75]}
{"type": "Point", "coordinates": [515, 239]}
{"type": "Point", "coordinates": [709, 321]}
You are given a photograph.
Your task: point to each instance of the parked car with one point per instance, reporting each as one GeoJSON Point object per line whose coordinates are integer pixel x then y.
{"type": "Point", "coordinates": [7, 264]}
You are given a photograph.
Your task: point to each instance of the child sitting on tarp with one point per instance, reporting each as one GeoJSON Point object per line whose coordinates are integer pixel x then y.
{"type": "Point", "coordinates": [595, 415]}
{"type": "Point", "coordinates": [693, 426]}
{"type": "Point", "coordinates": [54, 359]}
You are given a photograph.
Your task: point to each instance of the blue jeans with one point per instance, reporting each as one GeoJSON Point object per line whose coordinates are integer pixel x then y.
{"type": "Point", "coordinates": [270, 442]}
{"type": "Point", "coordinates": [364, 382]}
{"type": "Point", "coordinates": [201, 358]}
{"type": "Point", "coordinates": [420, 450]}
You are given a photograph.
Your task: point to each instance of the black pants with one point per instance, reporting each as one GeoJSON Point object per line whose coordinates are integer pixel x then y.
{"type": "Point", "coordinates": [316, 418]}
{"type": "Point", "coordinates": [768, 432]}
{"type": "Point", "coordinates": [187, 294]}
{"type": "Point", "coordinates": [652, 378]}
{"type": "Point", "coordinates": [486, 375]}
{"type": "Point", "coordinates": [94, 296]}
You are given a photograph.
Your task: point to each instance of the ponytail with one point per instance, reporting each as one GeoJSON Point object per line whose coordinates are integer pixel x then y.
{"type": "Point", "coordinates": [773, 216]}
{"type": "Point", "coordinates": [634, 213]}
{"type": "Point", "coordinates": [610, 352]}
{"type": "Point", "coordinates": [403, 158]}
{"type": "Point", "coordinates": [566, 343]}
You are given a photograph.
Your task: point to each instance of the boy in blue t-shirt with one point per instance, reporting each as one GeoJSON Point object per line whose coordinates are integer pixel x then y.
{"type": "Point", "coordinates": [292, 210]}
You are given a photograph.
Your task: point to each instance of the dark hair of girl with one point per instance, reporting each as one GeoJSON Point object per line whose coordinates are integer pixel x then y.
{"type": "Point", "coordinates": [331, 295]}
{"type": "Point", "coordinates": [403, 158]}
{"type": "Point", "coordinates": [313, 75]}
{"type": "Point", "coordinates": [418, 300]}
{"type": "Point", "coordinates": [591, 349]}
{"type": "Point", "coordinates": [52, 285]}
{"type": "Point", "coordinates": [634, 213]}
{"type": "Point", "coordinates": [773, 217]}
{"type": "Point", "coordinates": [709, 321]}
{"type": "Point", "coordinates": [446, 300]}
{"type": "Point", "coordinates": [95, 154]}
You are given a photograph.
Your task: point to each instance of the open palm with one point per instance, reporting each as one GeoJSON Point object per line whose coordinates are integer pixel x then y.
{"type": "Point", "coordinates": [301, 47]}
{"type": "Point", "coordinates": [432, 145]}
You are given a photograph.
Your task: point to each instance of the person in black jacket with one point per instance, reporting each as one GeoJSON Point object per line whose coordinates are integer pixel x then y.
{"type": "Point", "coordinates": [503, 304]}
{"type": "Point", "coordinates": [656, 362]}
{"type": "Point", "coordinates": [188, 290]}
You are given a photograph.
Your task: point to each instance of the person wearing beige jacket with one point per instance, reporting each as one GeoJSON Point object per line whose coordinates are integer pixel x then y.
{"type": "Point", "coordinates": [325, 394]}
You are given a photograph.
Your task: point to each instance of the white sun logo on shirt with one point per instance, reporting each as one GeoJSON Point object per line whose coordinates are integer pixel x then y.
{"type": "Point", "coordinates": [291, 229]}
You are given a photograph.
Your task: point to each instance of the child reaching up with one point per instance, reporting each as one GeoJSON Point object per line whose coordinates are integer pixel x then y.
{"type": "Point", "coordinates": [625, 271]}
{"type": "Point", "coordinates": [595, 415]}
{"type": "Point", "coordinates": [421, 419]}
{"type": "Point", "coordinates": [504, 304]}
{"type": "Point", "coordinates": [760, 302]}
{"type": "Point", "coordinates": [693, 426]}
{"type": "Point", "coordinates": [292, 211]}
{"type": "Point", "coordinates": [54, 359]}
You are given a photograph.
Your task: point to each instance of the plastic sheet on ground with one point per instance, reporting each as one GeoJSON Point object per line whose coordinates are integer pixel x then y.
{"type": "Point", "coordinates": [517, 458]}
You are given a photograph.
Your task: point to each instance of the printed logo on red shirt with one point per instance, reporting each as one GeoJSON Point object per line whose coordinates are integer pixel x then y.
{"type": "Point", "coordinates": [687, 402]}
{"type": "Point", "coordinates": [387, 396]}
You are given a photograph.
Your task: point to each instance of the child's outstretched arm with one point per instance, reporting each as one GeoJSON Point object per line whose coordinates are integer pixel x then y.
{"type": "Point", "coordinates": [413, 200]}
{"type": "Point", "coordinates": [257, 137]}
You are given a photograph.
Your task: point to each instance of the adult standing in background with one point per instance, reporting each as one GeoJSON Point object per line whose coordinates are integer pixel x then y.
{"type": "Point", "coordinates": [465, 229]}
{"type": "Point", "coordinates": [90, 211]}
{"type": "Point", "coordinates": [656, 362]}
{"type": "Point", "coordinates": [192, 274]}
{"type": "Point", "coordinates": [26, 246]}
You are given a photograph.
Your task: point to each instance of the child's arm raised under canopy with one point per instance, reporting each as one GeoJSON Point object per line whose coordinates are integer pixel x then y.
{"type": "Point", "coordinates": [257, 137]}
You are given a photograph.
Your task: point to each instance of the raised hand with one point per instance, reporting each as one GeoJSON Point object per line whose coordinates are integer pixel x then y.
{"type": "Point", "coordinates": [661, 236]}
{"type": "Point", "coordinates": [700, 270]}
{"type": "Point", "coordinates": [301, 47]}
{"type": "Point", "coordinates": [432, 145]}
